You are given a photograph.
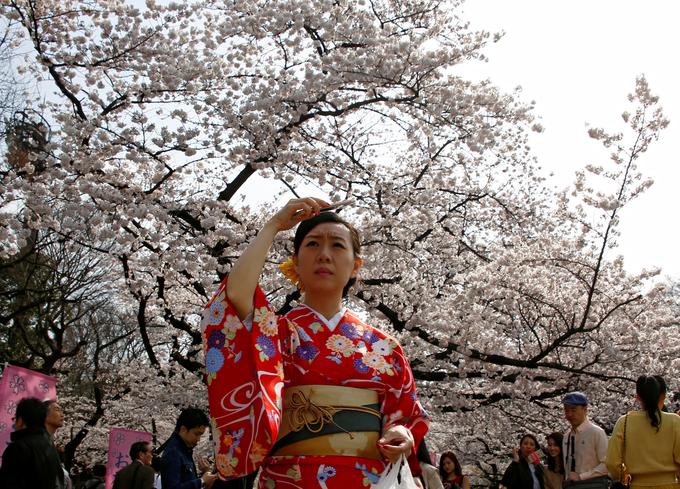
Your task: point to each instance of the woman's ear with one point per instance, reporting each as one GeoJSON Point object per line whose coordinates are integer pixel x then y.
{"type": "Point", "coordinates": [358, 263]}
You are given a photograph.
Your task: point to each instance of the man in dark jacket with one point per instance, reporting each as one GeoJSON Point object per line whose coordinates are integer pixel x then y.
{"type": "Point", "coordinates": [178, 470]}
{"type": "Point", "coordinates": [139, 474]}
{"type": "Point", "coordinates": [30, 460]}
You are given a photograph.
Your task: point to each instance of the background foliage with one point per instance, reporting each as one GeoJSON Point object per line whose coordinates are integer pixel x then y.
{"type": "Point", "coordinates": [131, 164]}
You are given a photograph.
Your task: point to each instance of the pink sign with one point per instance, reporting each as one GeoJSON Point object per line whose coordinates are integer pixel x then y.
{"type": "Point", "coordinates": [16, 384]}
{"type": "Point", "coordinates": [120, 441]}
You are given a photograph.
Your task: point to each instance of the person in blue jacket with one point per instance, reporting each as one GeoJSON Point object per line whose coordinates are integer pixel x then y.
{"type": "Point", "coordinates": [178, 470]}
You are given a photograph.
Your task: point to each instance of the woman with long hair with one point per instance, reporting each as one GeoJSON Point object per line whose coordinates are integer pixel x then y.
{"type": "Point", "coordinates": [553, 474]}
{"type": "Point", "coordinates": [652, 440]}
{"type": "Point", "coordinates": [429, 475]}
{"type": "Point", "coordinates": [451, 472]}
{"type": "Point", "coordinates": [525, 471]}
{"type": "Point", "coordinates": [315, 397]}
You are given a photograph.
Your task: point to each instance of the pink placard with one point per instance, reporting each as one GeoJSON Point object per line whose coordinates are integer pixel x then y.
{"type": "Point", "coordinates": [120, 441]}
{"type": "Point", "coordinates": [17, 383]}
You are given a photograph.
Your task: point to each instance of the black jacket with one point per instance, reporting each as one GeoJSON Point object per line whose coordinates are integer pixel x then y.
{"type": "Point", "coordinates": [30, 461]}
{"type": "Point", "coordinates": [518, 475]}
{"type": "Point", "coordinates": [134, 476]}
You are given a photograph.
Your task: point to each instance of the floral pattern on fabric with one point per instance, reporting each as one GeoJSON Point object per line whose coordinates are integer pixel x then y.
{"type": "Point", "coordinates": [249, 366]}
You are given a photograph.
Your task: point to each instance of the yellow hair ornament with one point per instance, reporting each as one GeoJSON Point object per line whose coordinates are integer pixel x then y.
{"type": "Point", "coordinates": [288, 269]}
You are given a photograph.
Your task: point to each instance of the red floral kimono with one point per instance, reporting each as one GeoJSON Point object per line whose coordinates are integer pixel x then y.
{"type": "Point", "coordinates": [249, 366]}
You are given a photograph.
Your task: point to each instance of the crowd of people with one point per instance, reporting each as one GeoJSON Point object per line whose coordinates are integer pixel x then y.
{"type": "Point", "coordinates": [643, 451]}
{"type": "Point", "coordinates": [644, 446]}
{"type": "Point", "coordinates": [318, 398]}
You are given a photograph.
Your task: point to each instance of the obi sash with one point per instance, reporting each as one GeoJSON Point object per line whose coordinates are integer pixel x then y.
{"type": "Point", "coordinates": [329, 420]}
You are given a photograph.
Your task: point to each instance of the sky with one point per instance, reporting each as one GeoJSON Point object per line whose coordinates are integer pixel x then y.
{"type": "Point", "coordinates": [578, 60]}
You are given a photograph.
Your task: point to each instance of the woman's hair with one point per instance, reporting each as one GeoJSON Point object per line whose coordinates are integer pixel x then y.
{"type": "Point", "coordinates": [537, 447]}
{"type": "Point", "coordinates": [457, 469]}
{"type": "Point", "coordinates": [664, 390]}
{"type": "Point", "coordinates": [328, 216]}
{"type": "Point", "coordinates": [553, 464]}
{"type": "Point", "coordinates": [662, 384]}
{"type": "Point", "coordinates": [649, 389]}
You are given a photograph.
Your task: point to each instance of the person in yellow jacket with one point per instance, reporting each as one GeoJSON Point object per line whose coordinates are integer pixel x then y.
{"type": "Point", "coordinates": [652, 440]}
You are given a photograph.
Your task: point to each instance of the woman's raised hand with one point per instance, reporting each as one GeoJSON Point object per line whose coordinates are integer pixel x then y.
{"type": "Point", "coordinates": [246, 271]}
{"type": "Point", "coordinates": [297, 210]}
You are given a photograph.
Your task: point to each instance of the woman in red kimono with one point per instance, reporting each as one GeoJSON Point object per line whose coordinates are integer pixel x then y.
{"type": "Point", "coordinates": [316, 397]}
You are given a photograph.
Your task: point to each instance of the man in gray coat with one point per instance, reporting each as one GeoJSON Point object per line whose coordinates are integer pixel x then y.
{"type": "Point", "coordinates": [139, 474]}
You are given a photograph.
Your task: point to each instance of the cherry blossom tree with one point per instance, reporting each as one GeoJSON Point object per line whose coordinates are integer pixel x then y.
{"type": "Point", "coordinates": [555, 310]}
{"type": "Point", "coordinates": [163, 119]}
{"type": "Point", "coordinates": [10, 89]}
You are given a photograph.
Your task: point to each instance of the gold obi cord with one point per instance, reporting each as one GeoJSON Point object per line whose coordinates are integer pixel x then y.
{"type": "Point", "coordinates": [329, 420]}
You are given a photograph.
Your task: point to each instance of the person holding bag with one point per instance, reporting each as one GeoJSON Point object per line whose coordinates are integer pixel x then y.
{"type": "Point", "coordinates": [315, 397]}
{"type": "Point", "coordinates": [647, 441]}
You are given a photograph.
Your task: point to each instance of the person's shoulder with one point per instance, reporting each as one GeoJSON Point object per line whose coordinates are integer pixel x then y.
{"type": "Point", "coordinates": [122, 472]}
{"type": "Point", "coordinates": [589, 425]}
{"type": "Point", "coordinates": [28, 443]}
{"type": "Point", "coordinates": [13, 450]}
{"type": "Point", "coordinates": [94, 484]}
{"type": "Point", "coordinates": [356, 319]}
{"type": "Point", "coordinates": [171, 450]}
{"type": "Point", "coordinates": [378, 333]}
{"type": "Point", "coordinates": [622, 419]}
{"type": "Point", "coordinates": [671, 418]}
{"type": "Point", "coordinates": [173, 443]}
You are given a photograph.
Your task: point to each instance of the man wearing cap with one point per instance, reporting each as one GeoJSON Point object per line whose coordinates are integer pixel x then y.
{"type": "Point", "coordinates": [584, 446]}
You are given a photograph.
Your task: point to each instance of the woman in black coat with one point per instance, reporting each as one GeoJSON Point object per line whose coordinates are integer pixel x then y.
{"type": "Point", "coordinates": [525, 471]}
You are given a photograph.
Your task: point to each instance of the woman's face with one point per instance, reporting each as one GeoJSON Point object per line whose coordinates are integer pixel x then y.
{"type": "Point", "coordinates": [554, 450]}
{"type": "Point", "coordinates": [325, 260]}
{"type": "Point", "coordinates": [527, 446]}
{"type": "Point", "coordinates": [448, 465]}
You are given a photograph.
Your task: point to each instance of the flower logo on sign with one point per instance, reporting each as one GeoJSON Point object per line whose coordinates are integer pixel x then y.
{"type": "Point", "coordinates": [11, 407]}
{"type": "Point", "coordinates": [17, 384]}
{"type": "Point", "coordinates": [119, 439]}
{"type": "Point", "coordinates": [44, 387]}
{"type": "Point", "coordinates": [3, 427]}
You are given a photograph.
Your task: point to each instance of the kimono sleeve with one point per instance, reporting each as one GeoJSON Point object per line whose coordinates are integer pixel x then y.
{"type": "Point", "coordinates": [401, 406]}
{"type": "Point", "coordinates": [244, 373]}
